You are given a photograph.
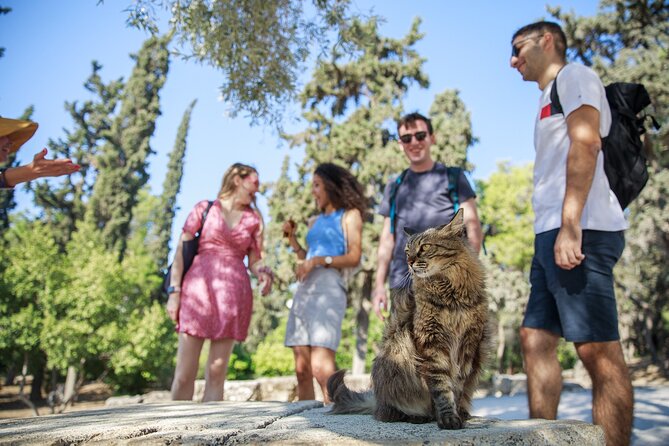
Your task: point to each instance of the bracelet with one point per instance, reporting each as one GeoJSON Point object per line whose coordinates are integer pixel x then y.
{"type": "Point", "coordinates": [267, 270]}
{"type": "Point", "coordinates": [3, 180]}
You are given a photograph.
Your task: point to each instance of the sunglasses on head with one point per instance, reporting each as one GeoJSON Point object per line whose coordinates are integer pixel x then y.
{"type": "Point", "coordinates": [406, 138]}
{"type": "Point", "coordinates": [515, 49]}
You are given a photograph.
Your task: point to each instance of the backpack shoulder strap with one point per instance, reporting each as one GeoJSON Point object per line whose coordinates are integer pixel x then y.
{"type": "Point", "coordinates": [204, 217]}
{"type": "Point", "coordinates": [556, 107]}
{"type": "Point", "coordinates": [453, 178]}
{"type": "Point", "coordinates": [393, 199]}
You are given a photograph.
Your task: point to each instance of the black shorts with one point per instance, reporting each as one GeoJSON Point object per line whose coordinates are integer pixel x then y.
{"type": "Point", "coordinates": [577, 304]}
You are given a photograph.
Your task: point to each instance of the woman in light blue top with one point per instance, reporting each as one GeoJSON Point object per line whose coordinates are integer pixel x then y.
{"type": "Point", "coordinates": [334, 242]}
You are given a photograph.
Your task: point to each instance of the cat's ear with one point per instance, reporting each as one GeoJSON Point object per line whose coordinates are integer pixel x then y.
{"type": "Point", "coordinates": [408, 231]}
{"type": "Point", "coordinates": [457, 224]}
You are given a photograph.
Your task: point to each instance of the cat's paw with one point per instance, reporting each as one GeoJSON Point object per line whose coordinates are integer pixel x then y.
{"type": "Point", "coordinates": [464, 415]}
{"type": "Point", "coordinates": [449, 421]}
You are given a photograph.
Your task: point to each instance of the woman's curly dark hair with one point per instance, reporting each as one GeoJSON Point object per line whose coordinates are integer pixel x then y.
{"type": "Point", "coordinates": [343, 189]}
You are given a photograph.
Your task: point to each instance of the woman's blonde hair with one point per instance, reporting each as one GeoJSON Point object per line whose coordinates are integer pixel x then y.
{"type": "Point", "coordinates": [228, 183]}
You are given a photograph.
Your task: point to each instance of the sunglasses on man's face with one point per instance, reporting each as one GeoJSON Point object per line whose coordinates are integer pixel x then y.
{"type": "Point", "coordinates": [406, 138]}
{"type": "Point", "coordinates": [515, 49]}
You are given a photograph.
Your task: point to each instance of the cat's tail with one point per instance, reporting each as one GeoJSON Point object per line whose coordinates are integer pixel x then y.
{"type": "Point", "coordinates": [347, 401]}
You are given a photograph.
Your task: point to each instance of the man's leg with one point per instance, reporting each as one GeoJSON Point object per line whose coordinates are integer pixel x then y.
{"type": "Point", "coordinates": [612, 394]}
{"type": "Point", "coordinates": [544, 375]}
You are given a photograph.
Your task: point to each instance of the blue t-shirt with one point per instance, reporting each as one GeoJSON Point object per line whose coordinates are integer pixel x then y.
{"type": "Point", "coordinates": [422, 202]}
{"type": "Point", "coordinates": [326, 236]}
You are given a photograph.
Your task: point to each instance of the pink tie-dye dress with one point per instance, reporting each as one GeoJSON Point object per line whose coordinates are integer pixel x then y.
{"type": "Point", "coordinates": [216, 296]}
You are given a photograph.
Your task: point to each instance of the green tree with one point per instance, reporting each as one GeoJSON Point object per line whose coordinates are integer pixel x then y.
{"type": "Point", "coordinates": [162, 228]}
{"type": "Point", "coordinates": [506, 208]}
{"type": "Point", "coordinates": [122, 160]}
{"type": "Point", "coordinates": [33, 271]}
{"type": "Point", "coordinates": [347, 105]}
{"type": "Point", "coordinates": [629, 41]}
{"type": "Point", "coordinates": [260, 47]}
{"type": "Point", "coordinates": [452, 124]}
{"type": "Point", "coordinates": [505, 205]}
{"type": "Point", "coordinates": [98, 316]}
{"type": "Point", "coordinates": [65, 205]}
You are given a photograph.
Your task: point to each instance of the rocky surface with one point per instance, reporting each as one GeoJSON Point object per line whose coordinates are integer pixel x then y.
{"type": "Point", "coordinates": [305, 422]}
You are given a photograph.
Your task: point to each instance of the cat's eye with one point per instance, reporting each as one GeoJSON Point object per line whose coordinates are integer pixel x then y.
{"type": "Point", "coordinates": [425, 248]}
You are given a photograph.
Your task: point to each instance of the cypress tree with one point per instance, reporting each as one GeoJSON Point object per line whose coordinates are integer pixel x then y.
{"type": "Point", "coordinates": [162, 228]}
{"type": "Point", "coordinates": [122, 160]}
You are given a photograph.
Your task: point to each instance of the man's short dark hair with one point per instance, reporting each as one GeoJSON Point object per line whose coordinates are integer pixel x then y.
{"type": "Point", "coordinates": [546, 27]}
{"type": "Point", "coordinates": [410, 119]}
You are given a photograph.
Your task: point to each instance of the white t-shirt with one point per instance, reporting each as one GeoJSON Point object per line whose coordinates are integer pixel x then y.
{"type": "Point", "coordinates": [577, 85]}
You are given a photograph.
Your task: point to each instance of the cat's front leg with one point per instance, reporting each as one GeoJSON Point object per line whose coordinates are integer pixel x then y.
{"type": "Point", "coordinates": [443, 400]}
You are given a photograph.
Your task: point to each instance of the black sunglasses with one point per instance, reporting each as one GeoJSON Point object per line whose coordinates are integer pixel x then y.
{"type": "Point", "coordinates": [515, 49]}
{"type": "Point", "coordinates": [406, 138]}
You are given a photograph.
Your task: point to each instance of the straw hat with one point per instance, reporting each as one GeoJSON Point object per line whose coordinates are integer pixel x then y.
{"type": "Point", "coordinates": [17, 131]}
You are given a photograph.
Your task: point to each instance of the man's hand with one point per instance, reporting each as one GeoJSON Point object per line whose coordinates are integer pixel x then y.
{"type": "Point", "coordinates": [380, 302]}
{"type": "Point", "coordinates": [567, 247]}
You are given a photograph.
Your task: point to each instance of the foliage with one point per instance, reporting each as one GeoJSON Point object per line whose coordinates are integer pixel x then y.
{"type": "Point", "coordinates": [260, 47]}
{"type": "Point", "coordinates": [147, 351]}
{"type": "Point", "coordinates": [350, 98]}
{"type": "Point", "coordinates": [122, 159]}
{"type": "Point", "coordinates": [567, 356]}
{"type": "Point", "coordinates": [452, 125]}
{"type": "Point", "coordinates": [77, 290]}
{"type": "Point", "coordinates": [271, 357]}
{"type": "Point", "coordinates": [162, 221]}
{"type": "Point", "coordinates": [505, 205]}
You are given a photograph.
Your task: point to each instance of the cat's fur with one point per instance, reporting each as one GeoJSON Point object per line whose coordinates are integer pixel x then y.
{"type": "Point", "coordinates": [435, 341]}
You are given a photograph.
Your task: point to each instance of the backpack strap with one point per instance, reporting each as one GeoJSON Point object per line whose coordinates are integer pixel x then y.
{"type": "Point", "coordinates": [556, 107]}
{"type": "Point", "coordinates": [453, 177]}
{"type": "Point", "coordinates": [204, 217]}
{"type": "Point", "coordinates": [393, 199]}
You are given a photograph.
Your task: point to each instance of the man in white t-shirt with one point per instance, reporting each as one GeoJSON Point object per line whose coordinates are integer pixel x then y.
{"type": "Point", "coordinates": [579, 227]}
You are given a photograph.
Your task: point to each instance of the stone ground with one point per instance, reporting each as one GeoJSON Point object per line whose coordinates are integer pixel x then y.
{"type": "Point", "coordinates": [651, 425]}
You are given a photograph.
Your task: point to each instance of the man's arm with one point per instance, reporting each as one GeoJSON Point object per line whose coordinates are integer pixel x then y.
{"type": "Point", "coordinates": [472, 224]}
{"type": "Point", "coordinates": [384, 255]}
{"type": "Point", "coordinates": [585, 144]}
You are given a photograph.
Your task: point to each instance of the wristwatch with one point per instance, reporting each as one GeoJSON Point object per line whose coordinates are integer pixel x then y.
{"type": "Point", "coordinates": [173, 289]}
{"type": "Point", "coordinates": [328, 261]}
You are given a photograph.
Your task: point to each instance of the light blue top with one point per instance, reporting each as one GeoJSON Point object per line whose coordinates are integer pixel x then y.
{"type": "Point", "coordinates": [326, 236]}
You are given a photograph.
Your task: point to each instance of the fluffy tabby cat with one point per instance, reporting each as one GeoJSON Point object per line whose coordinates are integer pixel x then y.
{"type": "Point", "coordinates": [435, 341]}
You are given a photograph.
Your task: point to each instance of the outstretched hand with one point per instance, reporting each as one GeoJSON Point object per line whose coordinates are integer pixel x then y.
{"type": "Point", "coordinates": [42, 167]}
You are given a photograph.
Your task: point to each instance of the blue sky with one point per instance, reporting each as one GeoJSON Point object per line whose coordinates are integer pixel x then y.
{"type": "Point", "coordinates": [49, 47]}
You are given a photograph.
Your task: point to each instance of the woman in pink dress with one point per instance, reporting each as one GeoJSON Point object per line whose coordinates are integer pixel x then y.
{"type": "Point", "coordinates": [215, 298]}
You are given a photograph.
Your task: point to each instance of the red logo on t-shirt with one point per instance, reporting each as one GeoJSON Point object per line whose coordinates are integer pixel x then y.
{"type": "Point", "coordinates": [545, 111]}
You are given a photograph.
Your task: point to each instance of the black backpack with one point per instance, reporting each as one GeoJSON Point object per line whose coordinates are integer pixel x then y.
{"type": "Point", "coordinates": [624, 156]}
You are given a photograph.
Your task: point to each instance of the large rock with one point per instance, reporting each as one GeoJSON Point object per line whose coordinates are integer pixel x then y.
{"type": "Point", "coordinates": [305, 422]}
